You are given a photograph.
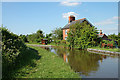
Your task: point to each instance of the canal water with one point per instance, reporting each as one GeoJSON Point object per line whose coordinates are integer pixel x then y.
{"type": "Point", "coordinates": [88, 64]}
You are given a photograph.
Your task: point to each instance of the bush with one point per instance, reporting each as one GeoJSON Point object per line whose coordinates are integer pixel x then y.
{"type": "Point", "coordinates": [82, 35]}
{"type": "Point", "coordinates": [113, 42]}
{"type": "Point", "coordinates": [12, 45]}
{"type": "Point", "coordinates": [63, 42]}
{"type": "Point", "coordinates": [57, 41]}
{"type": "Point", "coordinates": [119, 43]}
{"type": "Point", "coordinates": [105, 41]}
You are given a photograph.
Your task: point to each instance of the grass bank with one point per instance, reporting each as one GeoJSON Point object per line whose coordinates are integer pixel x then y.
{"type": "Point", "coordinates": [40, 63]}
{"type": "Point", "coordinates": [113, 50]}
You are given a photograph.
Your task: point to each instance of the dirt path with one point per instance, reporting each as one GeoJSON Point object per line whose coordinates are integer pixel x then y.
{"type": "Point", "coordinates": [39, 45]}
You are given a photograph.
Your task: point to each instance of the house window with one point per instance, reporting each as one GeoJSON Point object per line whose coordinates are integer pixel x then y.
{"type": "Point", "coordinates": [66, 32]}
{"type": "Point", "coordinates": [65, 38]}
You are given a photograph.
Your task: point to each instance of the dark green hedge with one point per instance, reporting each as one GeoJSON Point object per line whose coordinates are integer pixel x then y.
{"type": "Point", "coordinates": [12, 46]}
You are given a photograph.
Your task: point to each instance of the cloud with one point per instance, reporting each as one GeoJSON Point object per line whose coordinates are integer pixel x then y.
{"type": "Point", "coordinates": [108, 21]}
{"type": "Point", "coordinates": [66, 3]}
{"type": "Point", "coordinates": [66, 15]}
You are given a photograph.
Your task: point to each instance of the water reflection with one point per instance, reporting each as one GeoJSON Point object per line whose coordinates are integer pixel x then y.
{"type": "Point", "coordinates": [81, 61]}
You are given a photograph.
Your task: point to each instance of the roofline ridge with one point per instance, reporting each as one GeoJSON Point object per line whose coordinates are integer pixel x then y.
{"type": "Point", "coordinates": [80, 19]}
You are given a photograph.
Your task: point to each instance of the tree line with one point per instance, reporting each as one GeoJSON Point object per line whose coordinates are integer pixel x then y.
{"type": "Point", "coordinates": [36, 37]}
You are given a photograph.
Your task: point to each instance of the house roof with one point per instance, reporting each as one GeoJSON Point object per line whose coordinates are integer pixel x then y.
{"type": "Point", "coordinates": [73, 22]}
{"type": "Point", "coordinates": [100, 35]}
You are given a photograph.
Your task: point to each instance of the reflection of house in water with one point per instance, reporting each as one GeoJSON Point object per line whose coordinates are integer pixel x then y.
{"type": "Point", "coordinates": [65, 58]}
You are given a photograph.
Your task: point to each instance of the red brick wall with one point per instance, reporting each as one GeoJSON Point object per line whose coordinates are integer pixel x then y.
{"type": "Point", "coordinates": [64, 35]}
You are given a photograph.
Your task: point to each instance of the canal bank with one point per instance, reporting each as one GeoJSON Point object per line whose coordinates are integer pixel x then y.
{"type": "Point", "coordinates": [103, 51]}
{"type": "Point", "coordinates": [88, 64]}
{"type": "Point", "coordinates": [48, 65]}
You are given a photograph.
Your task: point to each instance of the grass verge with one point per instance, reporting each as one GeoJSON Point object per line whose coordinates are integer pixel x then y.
{"type": "Point", "coordinates": [40, 63]}
{"type": "Point", "coordinates": [51, 66]}
{"type": "Point", "coordinates": [113, 50]}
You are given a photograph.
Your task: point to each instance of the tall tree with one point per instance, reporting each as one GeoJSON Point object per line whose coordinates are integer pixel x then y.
{"type": "Point", "coordinates": [24, 38]}
{"type": "Point", "coordinates": [82, 35]}
{"type": "Point", "coordinates": [36, 37]}
{"type": "Point", "coordinates": [57, 34]}
{"type": "Point", "coordinates": [113, 36]}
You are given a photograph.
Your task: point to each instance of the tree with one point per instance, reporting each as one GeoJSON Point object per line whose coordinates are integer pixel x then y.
{"type": "Point", "coordinates": [48, 37]}
{"type": "Point", "coordinates": [39, 33]}
{"type": "Point", "coordinates": [57, 34]}
{"type": "Point", "coordinates": [36, 37]}
{"type": "Point", "coordinates": [12, 46]}
{"type": "Point", "coordinates": [113, 36]}
{"type": "Point", "coordinates": [24, 38]}
{"type": "Point", "coordinates": [82, 35]}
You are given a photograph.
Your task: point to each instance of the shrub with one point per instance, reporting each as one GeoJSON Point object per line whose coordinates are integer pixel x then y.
{"type": "Point", "coordinates": [57, 41]}
{"type": "Point", "coordinates": [119, 43]}
{"type": "Point", "coordinates": [12, 45]}
{"type": "Point", "coordinates": [82, 35]}
{"type": "Point", "coordinates": [104, 41]}
{"type": "Point", "coordinates": [63, 42]}
{"type": "Point", "coordinates": [113, 42]}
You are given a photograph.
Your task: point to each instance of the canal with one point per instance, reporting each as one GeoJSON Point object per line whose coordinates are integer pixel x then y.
{"type": "Point", "coordinates": [88, 64]}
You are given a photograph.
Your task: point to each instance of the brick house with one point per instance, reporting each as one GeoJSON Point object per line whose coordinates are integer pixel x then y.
{"type": "Point", "coordinates": [70, 22]}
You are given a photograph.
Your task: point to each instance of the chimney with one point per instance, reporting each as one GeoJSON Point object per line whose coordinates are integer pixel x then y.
{"type": "Point", "coordinates": [71, 18]}
{"type": "Point", "coordinates": [100, 31]}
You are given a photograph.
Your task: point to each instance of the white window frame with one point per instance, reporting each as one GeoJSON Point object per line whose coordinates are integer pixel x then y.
{"type": "Point", "coordinates": [65, 32]}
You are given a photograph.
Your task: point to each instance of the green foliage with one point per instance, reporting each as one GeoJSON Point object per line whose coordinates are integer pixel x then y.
{"type": "Point", "coordinates": [113, 36]}
{"type": "Point", "coordinates": [35, 37]}
{"type": "Point", "coordinates": [108, 42]}
{"type": "Point", "coordinates": [100, 44]}
{"type": "Point", "coordinates": [63, 41]}
{"type": "Point", "coordinates": [57, 34]}
{"type": "Point", "coordinates": [105, 41]}
{"type": "Point", "coordinates": [57, 41]}
{"type": "Point", "coordinates": [82, 35]}
{"type": "Point", "coordinates": [48, 37]}
{"type": "Point", "coordinates": [12, 45]}
{"type": "Point", "coordinates": [49, 66]}
{"type": "Point", "coordinates": [24, 38]}
{"type": "Point", "coordinates": [119, 43]}
{"type": "Point", "coordinates": [113, 42]}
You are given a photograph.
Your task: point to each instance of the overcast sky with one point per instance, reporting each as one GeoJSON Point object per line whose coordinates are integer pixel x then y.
{"type": "Point", "coordinates": [28, 17]}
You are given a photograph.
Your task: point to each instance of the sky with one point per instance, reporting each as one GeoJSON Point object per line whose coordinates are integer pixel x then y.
{"type": "Point", "coordinates": [28, 17]}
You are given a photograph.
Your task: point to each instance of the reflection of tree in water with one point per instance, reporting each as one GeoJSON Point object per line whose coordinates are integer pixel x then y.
{"type": "Point", "coordinates": [80, 60]}
{"type": "Point", "coordinates": [61, 51]}
{"type": "Point", "coordinates": [84, 62]}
